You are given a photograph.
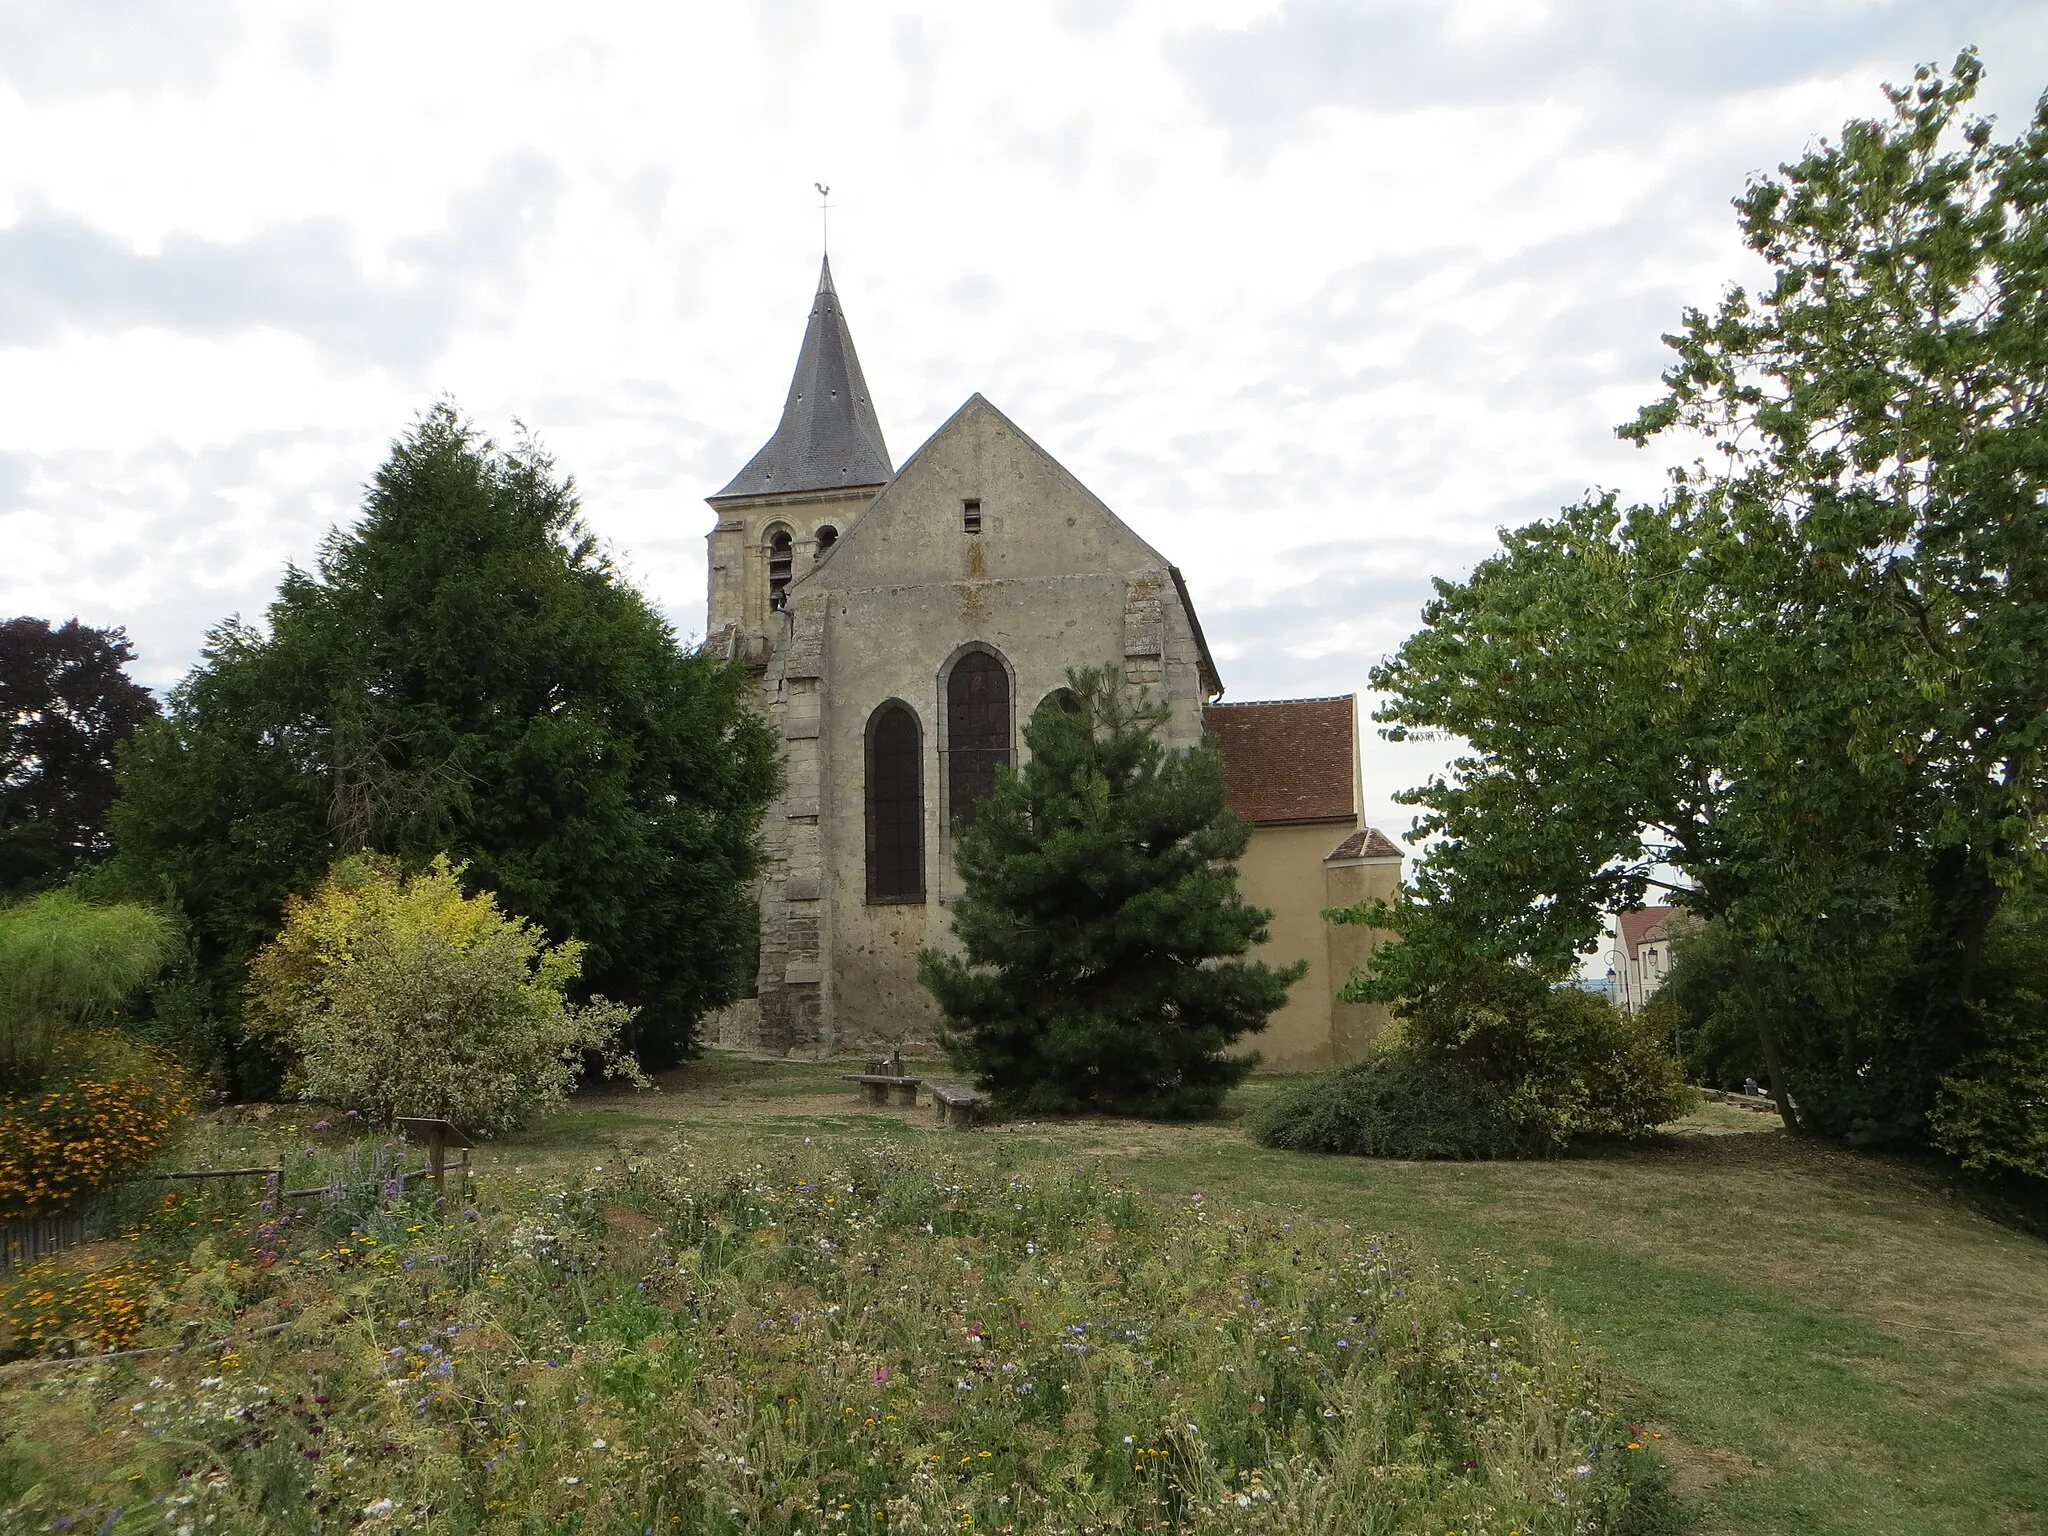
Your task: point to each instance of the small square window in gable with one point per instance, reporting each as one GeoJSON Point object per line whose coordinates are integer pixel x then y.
{"type": "Point", "coordinates": [970, 515]}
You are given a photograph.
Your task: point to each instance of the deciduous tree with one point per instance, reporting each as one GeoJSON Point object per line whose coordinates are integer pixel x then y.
{"type": "Point", "coordinates": [1815, 678]}
{"type": "Point", "coordinates": [66, 703]}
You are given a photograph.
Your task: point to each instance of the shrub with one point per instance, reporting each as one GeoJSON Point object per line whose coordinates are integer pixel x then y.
{"type": "Point", "coordinates": [1518, 1073]}
{"type": "Point", "coordinates": [1398, 1102]}
{"type": "Point", "coordinates": [64, 963]}
{"type": "Point", "coordinates": [62, 1306]}
{"type": "Point", "coordinates": [1992, 1111]}
{"type": "Point", "coordinates": [399, 995]}
{"type": "Point", "coordinates": [1708, 1002]}
{"type": "Point", "coordinates": [1598, 1073]}
{"type": "Point", "coordinates": [104, 1105]}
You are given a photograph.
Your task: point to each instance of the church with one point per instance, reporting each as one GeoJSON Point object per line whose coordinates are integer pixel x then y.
{"type": "Point", "coordinates": [903, 623]}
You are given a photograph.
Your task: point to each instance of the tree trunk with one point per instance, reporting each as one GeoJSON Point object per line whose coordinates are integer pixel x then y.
{"type": "Point", "coordinates": [1767, 1036]}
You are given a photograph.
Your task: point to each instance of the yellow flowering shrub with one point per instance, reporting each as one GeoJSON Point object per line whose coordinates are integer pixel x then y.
{"type": "Point", "coordinates": [398, 994]}
{"type": "Point", "coordinates": [57, 1306]}
{"type": "Point", "coordinates": [105, 1106]}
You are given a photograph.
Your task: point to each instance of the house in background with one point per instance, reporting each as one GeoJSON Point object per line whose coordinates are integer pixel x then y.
{"type": "Point", "coordinates": [1641, 958]}
{"type": "Point", "coordinates": [1291, 769]}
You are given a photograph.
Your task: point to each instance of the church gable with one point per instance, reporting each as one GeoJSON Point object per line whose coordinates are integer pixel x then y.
{"type": "Point", "coordinates": [980, 501]}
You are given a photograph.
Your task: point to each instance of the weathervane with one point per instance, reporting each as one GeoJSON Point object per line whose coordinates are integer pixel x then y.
{"type": "Point", "coordinates": [824, 216]}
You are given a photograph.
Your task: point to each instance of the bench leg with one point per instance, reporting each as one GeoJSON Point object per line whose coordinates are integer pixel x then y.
{"type": "Point", "coordinates": [904, 1094]}
{"type": "Point", "coordinates": [874, 1093]}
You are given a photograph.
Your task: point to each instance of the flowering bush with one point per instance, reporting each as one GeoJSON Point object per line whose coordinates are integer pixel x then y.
{"type": "Point", "coordinates": [60, 1306]}
{"type": "Point", "coordinates": [399, 995]}
{"type": "Point", "coordinates": [104, 1105]}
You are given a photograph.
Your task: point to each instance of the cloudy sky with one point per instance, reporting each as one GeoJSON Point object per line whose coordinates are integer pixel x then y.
{"type": "Point", "coordinates": [1316, 293]}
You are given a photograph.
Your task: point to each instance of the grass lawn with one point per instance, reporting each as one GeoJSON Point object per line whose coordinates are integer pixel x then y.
{"type": "Point", "coordinates": [1829, 1342]}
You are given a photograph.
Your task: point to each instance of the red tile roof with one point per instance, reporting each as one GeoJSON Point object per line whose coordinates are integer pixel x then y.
{"type": "Point", "coordinates": [1639, 928]}
{"type": "Point", "coordinates": [1287, 760]}
{"type": "Point", "coordinates": [1365, 843]}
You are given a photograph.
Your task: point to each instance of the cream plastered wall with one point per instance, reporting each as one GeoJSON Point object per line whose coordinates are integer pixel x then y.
{"type": "Point", "coordinates": [1284, 869]}
{"type": "Point", "coordinates": [1347, 882]}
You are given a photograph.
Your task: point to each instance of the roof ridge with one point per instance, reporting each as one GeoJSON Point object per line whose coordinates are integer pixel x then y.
{"type": "Point", "coordinates": [1313, 698]}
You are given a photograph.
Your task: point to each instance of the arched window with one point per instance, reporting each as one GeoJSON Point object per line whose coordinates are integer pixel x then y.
{"type": "Point", "coordinates": [977, 731]}
{"type": "Point", "coordinates": [781, 551]}
{"type": "Point", "coordinates": [895, 796]}
{"type": "Point", "coordinates": [827, 537]}
{"type": "Point", "coordinates": [1063, 699]}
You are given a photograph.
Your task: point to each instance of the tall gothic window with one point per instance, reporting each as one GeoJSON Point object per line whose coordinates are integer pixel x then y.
{"type": "Point", "coordinates": [977, 731]}
{"type": "Point", "coordinates": [895, 796]}
{"type": "Point", "coordinates": [781, 553]}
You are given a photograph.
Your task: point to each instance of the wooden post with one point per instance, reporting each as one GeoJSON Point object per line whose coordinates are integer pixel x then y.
{"type": "Point", "coordinates": [437, 1136]}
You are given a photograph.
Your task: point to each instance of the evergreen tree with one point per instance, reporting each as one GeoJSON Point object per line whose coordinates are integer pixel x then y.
{"type": "Point", "coordinates": [1101, 921]}
{"type": "Point", "coordinates": [465, 673]}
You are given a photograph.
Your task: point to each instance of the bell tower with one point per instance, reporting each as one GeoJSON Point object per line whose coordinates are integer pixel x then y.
{"type": "Point", "coordinates": [782, 513]}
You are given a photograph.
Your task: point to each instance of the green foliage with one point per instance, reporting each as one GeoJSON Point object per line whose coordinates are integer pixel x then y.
{"type": "Point", "coordinates": [66, 704]}
{"type": "Point", "coordinates": [1992, 1108]}
{"type": "Point", "coordinates": [1708, 1010]}
{"type": "Point", "coordinates": [1101, 923]}
{"type": "Point", "coordinates": [1397, 1102]}
{"type": "Point", "coordinates": [1810, 678]}
{"type": "Point", "coordinates": [66, 963]}
{"type": "Point", "coordinates": [397, 995]}
{"type": "Point", "coordinates": [465, 671]}
{"type": "Point", "coordinates": [1575, 1067]}
{"type": "Point", "coordinates": [852, 1340]}
{"type": "Point", "coordinates": [1502, 1065]}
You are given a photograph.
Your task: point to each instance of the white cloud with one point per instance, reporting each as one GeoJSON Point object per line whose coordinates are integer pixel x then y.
{"type": "Point", "coordinates": [1316, 294]}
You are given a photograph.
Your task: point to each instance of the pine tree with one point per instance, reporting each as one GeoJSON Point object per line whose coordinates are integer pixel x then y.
{"type": "Point", "coordinates": [1102, 927]}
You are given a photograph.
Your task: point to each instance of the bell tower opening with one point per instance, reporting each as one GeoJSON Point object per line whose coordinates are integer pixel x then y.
{"type": "Point", "coordinates": [781, 556]}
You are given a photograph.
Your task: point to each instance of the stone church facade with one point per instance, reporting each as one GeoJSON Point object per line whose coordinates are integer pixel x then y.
{"type": "Point", "coordinates": [903, 624]}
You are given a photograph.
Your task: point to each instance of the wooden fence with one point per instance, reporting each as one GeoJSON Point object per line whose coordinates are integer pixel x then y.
{"type": "Point", "coordinates": [28, 1238]}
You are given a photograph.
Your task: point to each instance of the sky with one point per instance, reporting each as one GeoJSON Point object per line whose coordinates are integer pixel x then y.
{"type": "Point", "coordinates": [1316, 295]}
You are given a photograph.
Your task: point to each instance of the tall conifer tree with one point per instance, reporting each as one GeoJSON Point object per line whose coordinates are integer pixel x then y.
{"type": "Point", "coordinates": [1102, 927]}
{"type": "Point", "coordinates": [464, 672]}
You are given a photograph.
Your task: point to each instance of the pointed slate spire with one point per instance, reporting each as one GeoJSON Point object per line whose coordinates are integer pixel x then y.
{"type": "Point", "coordinates": [828, 436]}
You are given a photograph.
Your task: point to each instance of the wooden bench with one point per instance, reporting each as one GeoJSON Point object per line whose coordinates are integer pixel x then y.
{"type": "Point", "coordinates": [879, 1087]}
{"type": "Point", "coordinates": [955, 1103]}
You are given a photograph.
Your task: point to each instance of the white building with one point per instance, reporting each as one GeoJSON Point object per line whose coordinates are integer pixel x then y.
{"type": "Point", "coordinates": [1641, 957]}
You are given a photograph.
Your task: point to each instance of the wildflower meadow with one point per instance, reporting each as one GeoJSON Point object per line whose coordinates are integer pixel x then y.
{"type": "Point", "coordinates": [850, 1337]}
